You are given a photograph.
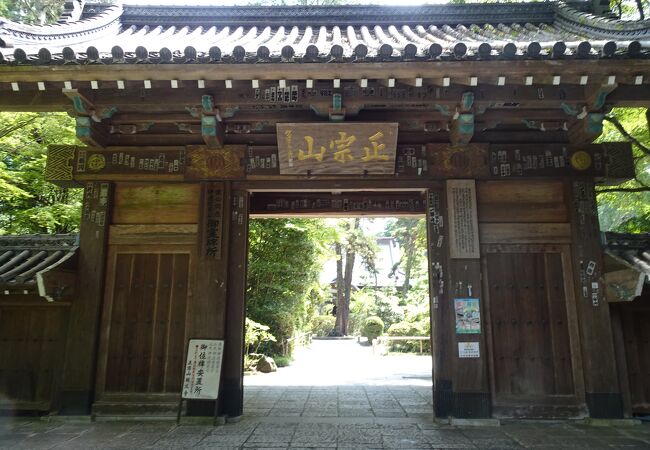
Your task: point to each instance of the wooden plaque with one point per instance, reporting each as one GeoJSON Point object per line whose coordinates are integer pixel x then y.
{"type": "Point", "coordinates": [337, 148]}
{"type": "Point", "coordinates": [463, 219]}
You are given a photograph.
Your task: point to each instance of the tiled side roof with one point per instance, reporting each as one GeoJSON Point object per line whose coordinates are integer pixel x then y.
{"type": "Point", "coordinates": [632, 249]}
{"type": "Point", "coordinates": [152, 34]}
{"type": "Point", "coordinates": [22, 257]}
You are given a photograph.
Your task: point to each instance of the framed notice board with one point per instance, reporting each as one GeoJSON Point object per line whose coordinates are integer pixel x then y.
{"type": "Point", "coordinates": [202, 371]}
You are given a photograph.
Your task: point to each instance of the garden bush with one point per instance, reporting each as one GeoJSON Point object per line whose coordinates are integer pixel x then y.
{"type": "Point", "coordinates": [373, 327]}
{"type": "Point", "coordinates": [323, 325]}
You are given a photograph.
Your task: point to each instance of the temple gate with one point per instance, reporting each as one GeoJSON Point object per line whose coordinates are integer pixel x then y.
{"type": "Point", "coordinates": [195, 118]}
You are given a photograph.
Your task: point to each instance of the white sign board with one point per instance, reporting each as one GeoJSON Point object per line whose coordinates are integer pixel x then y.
{"type": "Point", "coordinates": [463, 220]}
{"type": "Point", "coordinates": [202, 369]}
{"type": "Point", "coordinates": [468, 350]}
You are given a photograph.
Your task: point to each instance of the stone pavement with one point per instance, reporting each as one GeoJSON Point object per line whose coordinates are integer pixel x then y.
{"type": "Point", "coordinates": [340, 378]}
{"type": "Point", "coordinates": [316, 433]}
{"type": "Point", "coordinates": [337, 395]}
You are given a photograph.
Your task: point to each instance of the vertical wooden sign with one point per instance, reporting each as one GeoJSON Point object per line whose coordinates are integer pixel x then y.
{"type": "Point", "coordinates": [463, 220]}
{"type": "Point", "coordinates": [212, 217]}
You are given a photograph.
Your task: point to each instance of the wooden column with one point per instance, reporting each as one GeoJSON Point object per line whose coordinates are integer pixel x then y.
{"type": "Point", "coordinates": [469, 373]}
{"type": "Point", "coordinates": [208, 305]}
{"type": "Point", "coordinates": [602, 391]}
{"type": "Point", "coordinates": [440, 307]}
{"type": "Point", "coordinates": [78, 378]}
{"type": "Point", "coordinates": [232, 385]}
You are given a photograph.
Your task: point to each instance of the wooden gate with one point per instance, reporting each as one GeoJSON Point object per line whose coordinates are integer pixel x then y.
{"type": "Point", "coordinates": [144, 324]}
{"type": "Point", "coordinates": [535, 363]}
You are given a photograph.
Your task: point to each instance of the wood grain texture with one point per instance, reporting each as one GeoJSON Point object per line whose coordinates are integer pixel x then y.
{"type": "Point", "coordinates": [80, 356]}
{"type": "Point", "coordinates": [143, 203]}
{"type": "Point", "coordinates": [525, 233]}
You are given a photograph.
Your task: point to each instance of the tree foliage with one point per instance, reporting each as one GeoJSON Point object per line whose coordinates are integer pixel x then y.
{"type": "Point", "coordinates": [284, 263]}
{"type": "Point", "coordinates": [29, 204]}
{"type": "Point", "coordinates": [33, 12]}
{"type": "Point", "coordinates": [626, 207]}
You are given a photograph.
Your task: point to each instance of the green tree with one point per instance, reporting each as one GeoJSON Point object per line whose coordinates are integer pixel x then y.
{"type": "Point", "coordinates": [28, 204]}
{"type": "Point", "coordinates": [284, 263]}
{"type": "Point", "coordinates": [352, 242]}
{"type": "Point", "coordinates": [626, 207]}
{"type": "Point", "coordinates": [411, 235]}
{"type": "Point", "coordinates": [32, 12]}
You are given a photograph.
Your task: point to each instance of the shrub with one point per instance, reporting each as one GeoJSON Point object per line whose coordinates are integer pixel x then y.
{"type": "Point", "coordinates": [256, 335]}
{"type": "Point", "coordinates": [323, 325]}
{"type": "Point", "coordinates": [282, 361]}
{"type": "Point", "coordinates": [408, 329]}
{"type": "Point", "coordinates": [372, 328]}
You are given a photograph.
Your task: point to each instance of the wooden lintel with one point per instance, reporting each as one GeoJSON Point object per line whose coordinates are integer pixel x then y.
{"type": "Point", "coordinates": [515, 70]}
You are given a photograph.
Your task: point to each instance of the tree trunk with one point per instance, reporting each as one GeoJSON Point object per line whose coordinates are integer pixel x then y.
{"type": "Point", "coordinates": [339, 289]}
{"type": "Point", "coordinates": [410, 258]}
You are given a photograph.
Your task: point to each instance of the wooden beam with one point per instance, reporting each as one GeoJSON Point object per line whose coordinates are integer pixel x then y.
{"type": "Point", "coordinates": [77, 379]}
{"type": "Point", "coordinates": [462, 70]}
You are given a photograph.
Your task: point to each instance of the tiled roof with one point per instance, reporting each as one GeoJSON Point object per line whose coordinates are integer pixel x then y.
{"type": "Point", "coordinates": [22, 257]}
{"type": "Point", "coordinates": [166, 34]}
{"type": "Point", "coordinates": [631, 249]}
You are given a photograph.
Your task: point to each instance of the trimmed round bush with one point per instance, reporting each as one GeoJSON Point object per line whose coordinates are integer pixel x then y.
{"type": "Point", "coordinates": [373, 327]}
{"type": "Point", "coordinates": [323, 325]}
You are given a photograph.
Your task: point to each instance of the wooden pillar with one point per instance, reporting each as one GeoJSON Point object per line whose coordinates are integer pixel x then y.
{"type": "Point", "coordinates": [208, 308]}
{"type": "Point", "coordinates": [440, 309]}
{"type": "Point", "coordinates": [470, 386]}
{"type": "Point", "coordinates": [78, 377]}
{"type": "Point", "coordinates": [232, 385]}
{"type": "Point", "coordinates": [602, 390]}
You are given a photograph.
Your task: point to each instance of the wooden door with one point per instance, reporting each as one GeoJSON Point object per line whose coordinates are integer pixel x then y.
{"type": "Point", "coordinates": [144, 320]}
{"type": "Point", "coordinates": [534, 353]}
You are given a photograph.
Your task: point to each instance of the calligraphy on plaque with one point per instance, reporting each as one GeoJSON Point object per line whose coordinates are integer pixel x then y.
{"type": "Point", "coordinates": [202, 372]}
{"type": "Point", "coordinates": [212, 220]}
{"type": "Point", "coordinates": [463, 220]}
{"type": "Point", "coordinates": [337, 148]}
{"type": "Point", "coordinates": [510, 160]}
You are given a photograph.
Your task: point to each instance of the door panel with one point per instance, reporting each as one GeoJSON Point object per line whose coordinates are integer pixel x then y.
{"type": "Point", "coordinates": [533, 342]}
{"type": "Point", "coordinates": [144, 322]}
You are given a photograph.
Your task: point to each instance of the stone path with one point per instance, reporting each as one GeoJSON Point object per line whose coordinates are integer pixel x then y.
{"type": "Point", "coordinates": [336, 396]}
{"type": "Point", "coordinates": [341, 378]}
{"type": "Point", "coordinates": [316, 433]}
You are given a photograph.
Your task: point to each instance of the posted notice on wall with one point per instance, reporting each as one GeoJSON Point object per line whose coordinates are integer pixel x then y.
{"type": "Point", "coordinates": [202, 369]}
{"type": "Point", "coordinates": [468, 350]}
{"type": "Point", "coordinates": [463, 219]}
{"type": "Point", "coordinates": [468, 315]}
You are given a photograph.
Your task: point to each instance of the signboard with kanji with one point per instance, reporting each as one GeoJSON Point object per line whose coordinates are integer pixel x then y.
{"type": "Point", "coordinates": [202, 369]}
{"type": "Point", "coordinates": [337, 148]}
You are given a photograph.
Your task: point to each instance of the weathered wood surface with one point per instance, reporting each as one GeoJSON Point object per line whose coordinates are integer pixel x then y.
{"type": "Point", "coordinates": [83, 332]}
{"type": "Point", "coordinates": [534, 346]}
{"type": "Point", "coordinates": [153, 234]}
{"type": "Point", "coordinates": [140, 203]}
{"type": "Point", "coordinates": [71, 165]}
{"type": "Point", "coordinates": [636, 351]}
{"type": "Point", "coordinates": [232, 389]}
{"type": "Point", "coordinates": [337, 148]}
{"type": "Point", "coordinates": [207, 315]}
{"type": "Point", "coordinates": [601, 378]}
{"type": "Point", "coordinates": [32, 340]}
{"type": "Point", "coordinates": [463, 219]}
{"type": "Point", "coordinates": [327, 204]}
{"type": "Point", "coordinates": [144, 325]}
{"type": "Point", "coordinates": [525, 233]}
{"type": "Point", "coordinates": [439, 303]}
